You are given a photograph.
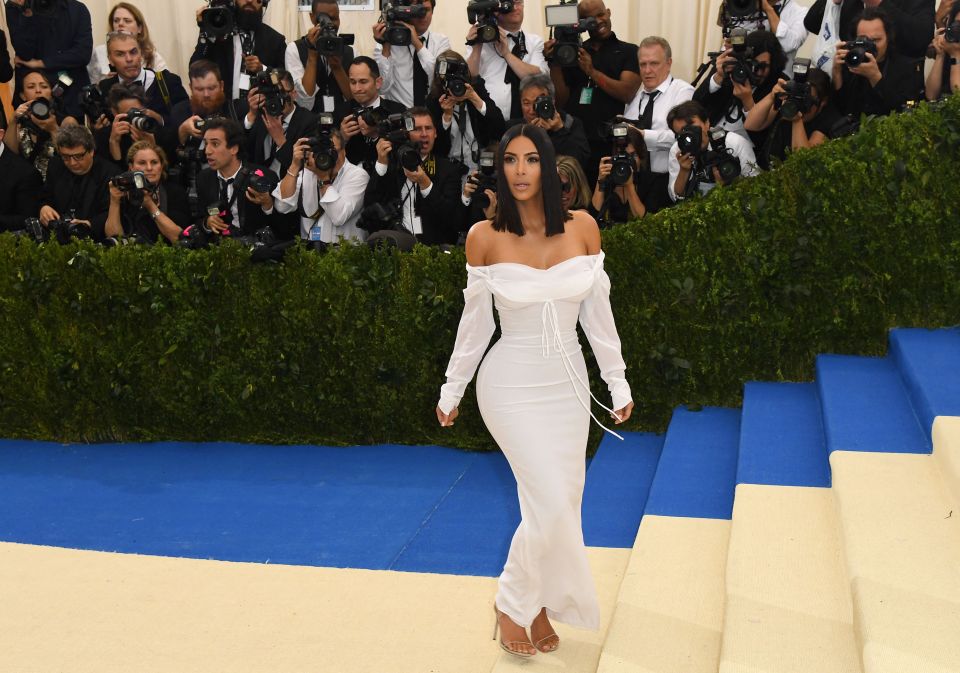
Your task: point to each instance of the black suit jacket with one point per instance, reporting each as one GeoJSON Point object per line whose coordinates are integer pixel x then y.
{"type": "Point", "coordinates": [898, 85]}
{"type": "Point", "coordinates": [155, 99]}
{"type": "Point", "coordinates": [302, 124]}
{"type": "Point", "coordinates": [487, 128]}
{"type": "Point", "coordinates": [362, 151]}
{"type": "Point", "coordinates": [88, 195]}
{"type": "Point", "coordinates": [251, 215]}
{"type": "Point", "coordinates": [19, 191]}
{"type": "Point", "coordinates": [441, 212]}
{"type": "Point", "coordinates": [268, 45]}
{"type": "Point", "coordinates": [913, 20]}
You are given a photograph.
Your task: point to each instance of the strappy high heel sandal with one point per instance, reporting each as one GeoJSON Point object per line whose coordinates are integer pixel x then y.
{"type": "Point", "coordinates": [544, 646]}
{"type": "Point", "coordinates": [506, 646]}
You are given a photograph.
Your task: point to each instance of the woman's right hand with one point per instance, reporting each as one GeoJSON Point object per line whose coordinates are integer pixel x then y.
{"type": "Point", "coordinates": [446, 420]}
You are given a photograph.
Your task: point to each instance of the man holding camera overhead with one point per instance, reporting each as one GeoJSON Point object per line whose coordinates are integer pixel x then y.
{"type": "Point", "coordinates": [407, 51]}
{"type": "Point", "coordinates": [244, 47]}
{"type": "Point", "coordinates": [500, 51]}
{"type": "Point", "coordinates": [321, 76]}
{"type": "Point", "coordinates": [869, 75]}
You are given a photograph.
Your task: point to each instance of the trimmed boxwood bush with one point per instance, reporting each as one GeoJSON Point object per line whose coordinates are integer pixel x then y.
{"type": "Point", "coordinates": [822, 255]}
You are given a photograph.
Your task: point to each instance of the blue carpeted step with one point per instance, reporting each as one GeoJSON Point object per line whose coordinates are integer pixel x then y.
{"type": "Point", "coordinates": [617, 486]}
{"type": "Point", "coordinates": [866, 406]}
{"type": "Point", "coordinates": [781, 436]}
{"type": "Point", "coordinates": [696, 476]}
{"type": "Point", "coordinates": [929, 362]}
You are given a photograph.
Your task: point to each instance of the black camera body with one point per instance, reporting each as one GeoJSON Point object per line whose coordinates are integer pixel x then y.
{"type": "Point", "coordinates": [267, 84]}
{"type": "Point", "coordinates": [797, 98]}
{"type": "Point", "coordinates": [93, 103]}
{"type": "Point", "coordinates": [329, 42]}
{"type": "Point", "coordinates": [486, 178]}
{"type": "Point", "coordinates": [65, 229]}
{"type": "Point", "coordinates": [139, 119]}
{"type": "Point", "coordinates": [370, 117]}
{"type": "Point", "coordinates": [395, 13]}
{"type": "Point", "coordinates": [261, 182]}
{"type": "Point", "coordinates": [396, 128]}
{"type": "Point", "coordinates": [622, 163]}
{"type": "Point", "coordinates": [952, 32]}
{"type": "Point", "coordinates": [321, 146]}
{"type": "Point", "coordinates": [380, 216]}
{"type": "Point", "coordinates": [690, 140]}
{"type": "Point", "coordinates": [857, 51]}
{"type": "Point", "coordinates": [741, 70]}
{"type": "Point", "coordinates": [33, 230]}
{"type": "Point", "coordinates": [40, 108]}
{"type": "Point", "coordinates": [719, 156]}
{"type": "Point", "coordinates": [218, 21]}
{"type": "Point", "coordinates": [544, 107]}
{"type": "Point", "coordinates": [131, 181]}
{"type": "Point", "coordinates": [738, 13]}
{"type": "Point", "coordinates": [454, 76]}
{"type": "Point", "coordinates": [483, 14]}
{"type": "Point", "coordinates": [569, 41]}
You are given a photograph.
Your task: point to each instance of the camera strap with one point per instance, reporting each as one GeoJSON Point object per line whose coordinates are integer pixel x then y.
{"type": "Point", "coordinates": [164, 89]}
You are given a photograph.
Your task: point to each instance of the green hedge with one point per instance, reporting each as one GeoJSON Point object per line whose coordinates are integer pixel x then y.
{"type": "Point", "coordinates": [822, 255]}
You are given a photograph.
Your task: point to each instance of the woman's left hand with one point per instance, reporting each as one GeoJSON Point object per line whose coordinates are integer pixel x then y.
{"type": "Point", "coordinates": [623, 415]}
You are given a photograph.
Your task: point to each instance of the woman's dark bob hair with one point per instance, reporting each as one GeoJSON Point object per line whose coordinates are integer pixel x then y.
{"type": "Point", "coordinates": [507, 217]}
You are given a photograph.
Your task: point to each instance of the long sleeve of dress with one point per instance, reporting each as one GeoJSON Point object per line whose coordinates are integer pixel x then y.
{"type": "Point", "coordinates": [473, 337]}
{"type": "Point", "coordinates": [596, 318]}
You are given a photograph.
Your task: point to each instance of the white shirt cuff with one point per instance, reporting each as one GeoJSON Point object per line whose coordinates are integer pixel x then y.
{"type": "Point", "coordinates": [381, 169]}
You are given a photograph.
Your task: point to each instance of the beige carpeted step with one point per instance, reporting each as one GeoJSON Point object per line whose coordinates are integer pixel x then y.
{"type": "Point", "coordinates": [669, 612]}
{"type": "Point", "coordinates": [946, 451]}
{"type": "Point", "coordinates": [901, 538]}
{"type": "Point", "coordinates": [788, 606]}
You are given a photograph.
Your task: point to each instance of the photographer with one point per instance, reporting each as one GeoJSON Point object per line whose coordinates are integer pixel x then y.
{"type": "Point", "coordinates": [258, 45]}
{"type": "Point", "coordinates": [659, 93]}
{"type": "Point", "coordinates": [479, 194]}
{"type": "Point", "coordinates": [504, 63]}
{"type": "Point", "coordinates": [30, 135]}
{"type": "Point", "coordinates": [321, 78]}
{"type": "Point", "coordinates": [913, 21]}
{"type": "Point", "coordinates": [808, 122]}
{"type": "Point", "coordinates": [359, 117]}
{"type": "Point", "coordinates": [20, 187]}
{"type": "Point", "coordinates": [468, 121]}
{"type": "Point", "coordinates": [783, 18]}
{"type": "Point", "coordinates": [229, 187]}
{"type": "Point", "coordinates": [621, 200]}
{"type": "Point", "coordinates": [605, 79]}
{"type": "Point", "coordinates": [328, 200]}
{"type": "Point", "coordinates": [566, 132]}
{"type": "Point", "coordinates": [207, 99]}
{"type": "Point", "coordinates": [61, 41]}
{"type": "Point", "coordinates": [163, 89]}
{"type": "Point", "coordinates": [158, 209]}
{"type": "Point", "coordinates": [270, 137]}
{"type": "Point", "coordinates": [883, 80]}
{"type": "Point", "coordinates": [429, 194]}
{"type": "Point", "coordinates": [729, 94]}
{"type": "Point", "coordinates": [690, 170]}
{"type": "Point", "coordinates": [944, 77]}
{"type": "Point", "coordinates": [76, 186]}
{"type": "Point", "coordinates": [408, 70]}
{"type": "Point", "coordinates": [132, 122]}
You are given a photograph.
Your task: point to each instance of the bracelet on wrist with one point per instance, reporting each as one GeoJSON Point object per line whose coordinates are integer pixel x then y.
{"type": "Point", "coordinates": [292, 175]}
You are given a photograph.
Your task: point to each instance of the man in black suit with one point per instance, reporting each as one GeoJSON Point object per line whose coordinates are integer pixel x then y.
{"type": "Point", "coordinates": [270, 138]}
{"type": "Point", "coordinates": [20, 187]}
{"type": "Point", "coordinates": [429, 195]}
{"type": "Point", "coordinates": [321, 79]}
{"type": "Point", "coordinates": [260, 45]}
{"type": "Point", "coordinates": [358, 118]}
{"type": "Point", "coordinates": [163, 89]}
{"type": "Point", "coordinates": [242, 210]}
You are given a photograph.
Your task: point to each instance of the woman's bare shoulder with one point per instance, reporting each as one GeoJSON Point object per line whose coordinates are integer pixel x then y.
{"type": "Point", "coordinates": [584, 227]}
{"type": "Point", "coordinates": [478, 242]}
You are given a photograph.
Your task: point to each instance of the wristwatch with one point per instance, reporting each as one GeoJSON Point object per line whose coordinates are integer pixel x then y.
{"type": "Point", "coordinates": [155, 214]}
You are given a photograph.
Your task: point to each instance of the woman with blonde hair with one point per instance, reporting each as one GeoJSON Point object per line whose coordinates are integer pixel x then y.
{"type": "Point", "coordinates": [573, 183]}
{"type": "Point", "coordinates": [127, 18]}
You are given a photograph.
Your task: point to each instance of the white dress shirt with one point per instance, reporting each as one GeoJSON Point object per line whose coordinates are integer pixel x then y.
{"type": "Point", "coordinates": [493, 69]}
{"type": "Point", "coordinates": [408, 195]}
{"type": "Point", "coordinates": [463, 144]}
{"type": "Point", "coordinates": [397, 71]}
{"type": "Point", "coordinates": [660, 137]}
{"type": "Point", "coordinates": [742, 150]}
{"type": "Point", "coordinates": [235, 208]}
{"type": "Point", "coordinates": [342, 203]}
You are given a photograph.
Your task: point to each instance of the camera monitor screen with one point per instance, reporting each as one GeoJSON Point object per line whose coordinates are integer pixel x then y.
{"type": "Point", "coordinates": [562, 15]}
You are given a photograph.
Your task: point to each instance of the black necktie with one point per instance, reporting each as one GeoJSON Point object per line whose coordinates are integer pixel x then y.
{"type": "Point", "coordinates": [646, 119]}
{"type": "Point", "coordinates": [420, 80]}
{"type": "Point", "coordinates": [511, 78]}
{"type": "Point", "coordinates": [227, 216]}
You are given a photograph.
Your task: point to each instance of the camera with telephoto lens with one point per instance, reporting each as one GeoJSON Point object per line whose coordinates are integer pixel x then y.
{"type": "Point", "coordinates": [719, 156]}
{"type": "Point", "coordinates": [321, 146]}
{"type": "Point", "coordinates": [130, 181]}
{"type": "Point", "coordinates": [797, 98]}
{"type": "Point", "coordinates": [743, 66]}
{"type": "Point", "coordinates": [140, 120]}
{"type": "Point", "coordinates": [544, 107]}
{"type": "Point", "coordinates": [858, 49]}
{"type": "Point", "coordinates": [217, 21]}
{"type": "Point", "coordinates": [93, 103]}
{"type": "Point", "coordinates": [40, 108]}
{"type": "Point", "coordinates": [42, 7]}
{"type": "Point", "coordinates": [267, 84]}
{"type": "Point", "coordinates": [952, 32]}
{"type": "Point", "coordinates": [567, 28]}
{"type": "Point", "coordinates": [486, 178]}
{"type": "Point", "coordinates": [483, 14]}
{"type": "Point", "coordinates": [622, 163]}
{"type": "Point", "coordinates": [66, 229]}
{"type": "Point", "coordinates": [454, 76]}
{"type": "Point", "coordinates": [379, 216]}
{"type": "Point", "coordinates": [690, 140]}
{"type": "Point", "coordinates": [329, 42]}
{"type": "Point", "coordinates": [395, 13]}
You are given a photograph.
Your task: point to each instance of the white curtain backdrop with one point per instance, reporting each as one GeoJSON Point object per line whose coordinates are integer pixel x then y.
{"type": "Point", "coordinates": [689, 25]}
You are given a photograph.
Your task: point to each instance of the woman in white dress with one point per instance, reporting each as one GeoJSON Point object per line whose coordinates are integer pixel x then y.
{"type": "Point", "coordinates": [544, 268]}
{"type": "Point", "coordinates": [127, 18]}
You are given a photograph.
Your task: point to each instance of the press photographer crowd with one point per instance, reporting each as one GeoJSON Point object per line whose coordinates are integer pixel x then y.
{"type": "Point", "coordinates": [269, 142]}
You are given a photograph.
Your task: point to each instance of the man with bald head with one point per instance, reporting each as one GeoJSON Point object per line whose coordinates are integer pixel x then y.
{"type": "Point", "coordinates": [605, 78]}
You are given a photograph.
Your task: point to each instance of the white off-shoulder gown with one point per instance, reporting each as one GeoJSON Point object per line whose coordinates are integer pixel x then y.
{"type": "Point", "coordinates": [534, 396]}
